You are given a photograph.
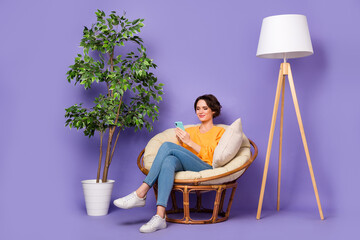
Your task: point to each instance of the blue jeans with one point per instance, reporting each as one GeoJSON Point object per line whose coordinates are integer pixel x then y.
{"type": "Point", "coordinates": [171, 158]}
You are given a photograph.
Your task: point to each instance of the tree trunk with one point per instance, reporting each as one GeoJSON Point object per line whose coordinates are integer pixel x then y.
{"type": "Point", "coordinates": [108, 153]}
{"type": "Point", "coordinates": [100, 157]}
{"type": "Point", "coordinates": [113, 150]}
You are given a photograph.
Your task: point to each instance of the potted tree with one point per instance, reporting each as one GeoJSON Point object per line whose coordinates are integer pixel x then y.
{"type": "Point", "coordinates": [131, 96]}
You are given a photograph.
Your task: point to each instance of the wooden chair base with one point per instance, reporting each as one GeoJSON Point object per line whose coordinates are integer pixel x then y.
{"type": "Point", "coordinates": [218, 215]}
{"type": "Point", "coordinates": [187, 186]}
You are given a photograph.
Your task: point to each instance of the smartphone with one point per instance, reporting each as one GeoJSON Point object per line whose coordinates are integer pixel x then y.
{"type": "Point", "coordinates": [180, 125]}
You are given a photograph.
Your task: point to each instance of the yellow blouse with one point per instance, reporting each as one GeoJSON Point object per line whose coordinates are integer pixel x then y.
{"type": "Point", "coordinates": [208, 141]}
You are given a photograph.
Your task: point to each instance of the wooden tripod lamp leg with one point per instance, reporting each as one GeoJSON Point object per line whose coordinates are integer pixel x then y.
{"type": "Point", "coordinates": [271, 136]}
{"type": "Point", "coordinates": [297, 110]}
{"type": "Point", "coordinates": [280, 142]}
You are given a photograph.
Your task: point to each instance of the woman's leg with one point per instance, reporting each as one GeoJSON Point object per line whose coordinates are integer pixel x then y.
{"type": "Point", "coordinates": [160, 211]}
{"type": "Point", "coordinates": [154, 171]}
{"type": "Point", "coordinates": [166, 179]}
{"type": "Point", "coordinates": [170, 159]}
{"type": "Point", "coordinates": [178, 159]}
{"type": "Point", "coordinates": [138, 198]}
{"type": "Point", "coordinates": [142, 190]}
{"type": "Point", "coordinates": [189, 161]}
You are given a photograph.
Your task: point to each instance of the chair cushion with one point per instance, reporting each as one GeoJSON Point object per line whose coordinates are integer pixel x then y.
{"type": "Point", "coordinates": [168, 135]}
{"type": "Point", "coordinates": [229, 144]}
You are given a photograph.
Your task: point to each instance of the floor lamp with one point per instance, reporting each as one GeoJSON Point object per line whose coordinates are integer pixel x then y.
{"type": "Point", "coordinates": [283, 37]}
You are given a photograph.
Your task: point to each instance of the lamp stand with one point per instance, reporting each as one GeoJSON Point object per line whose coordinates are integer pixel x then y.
{"type": "Point", "coordinates": [285, 70]}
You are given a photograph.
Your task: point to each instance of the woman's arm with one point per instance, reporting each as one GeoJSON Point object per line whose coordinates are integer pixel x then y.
{"type": "Point", "coordinates": [184, 137]}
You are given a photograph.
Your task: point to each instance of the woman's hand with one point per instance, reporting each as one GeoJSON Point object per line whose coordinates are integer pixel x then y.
{"type": "Point", "coordinates": [182, 136]}
{"type": "Point", "coordinates": [179, 140]}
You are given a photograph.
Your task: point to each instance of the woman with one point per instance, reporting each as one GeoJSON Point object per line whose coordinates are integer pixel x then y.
{"type": "Point", "coordinates": [194, 152]}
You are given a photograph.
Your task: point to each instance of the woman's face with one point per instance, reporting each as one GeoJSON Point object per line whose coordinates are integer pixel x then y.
{"type": "Point", "coordinates": [203, 112]}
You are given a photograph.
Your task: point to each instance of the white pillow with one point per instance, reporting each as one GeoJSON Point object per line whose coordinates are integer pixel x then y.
{"type": "Point", "coordinates": [229, 144]}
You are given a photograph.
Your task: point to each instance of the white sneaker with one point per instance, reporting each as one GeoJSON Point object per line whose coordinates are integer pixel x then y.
{"type": "Point", "coordinates": [130, 201]}
{"type": "Point", "coordinates": [155, 223]}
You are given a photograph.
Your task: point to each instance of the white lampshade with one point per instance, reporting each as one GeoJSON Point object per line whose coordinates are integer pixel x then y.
{"type": "Point", "coordinates": [284, 36]}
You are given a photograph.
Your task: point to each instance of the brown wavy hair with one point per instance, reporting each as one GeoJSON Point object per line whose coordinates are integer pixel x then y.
{"type": "Point", "coordinates": [211, 102]}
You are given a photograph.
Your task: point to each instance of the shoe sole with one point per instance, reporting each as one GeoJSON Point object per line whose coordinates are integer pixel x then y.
{"type": "Point", "coordinates": [148, 231]}
{"type": "Point", "coordinates": [122, 207]}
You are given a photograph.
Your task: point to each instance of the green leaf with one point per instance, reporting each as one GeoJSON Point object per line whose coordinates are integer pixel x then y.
{"type": "Point", "coordinates": [134, 72]}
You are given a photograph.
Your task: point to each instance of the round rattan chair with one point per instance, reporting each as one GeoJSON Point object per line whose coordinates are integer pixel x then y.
{"type": "Point", "coordinates": [186, 182]}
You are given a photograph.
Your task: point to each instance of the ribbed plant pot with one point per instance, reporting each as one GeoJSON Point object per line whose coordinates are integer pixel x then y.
{"type": "Point", "coordinates": [97, 196]}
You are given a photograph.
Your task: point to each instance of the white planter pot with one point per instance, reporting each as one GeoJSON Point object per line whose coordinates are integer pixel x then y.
{"type": "Point", "coordinates": [97, 196]}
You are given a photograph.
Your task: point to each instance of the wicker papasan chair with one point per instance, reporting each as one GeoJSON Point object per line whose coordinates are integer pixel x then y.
{"type": "Point", "coordinates": [218, 179]}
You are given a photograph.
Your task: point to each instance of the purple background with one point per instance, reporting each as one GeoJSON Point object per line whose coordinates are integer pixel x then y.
{"type": "Point", "coordinates": [200, 47]}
